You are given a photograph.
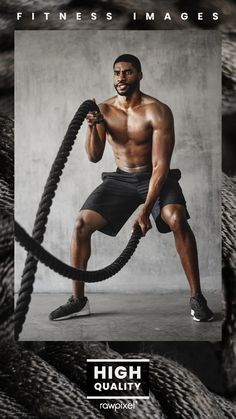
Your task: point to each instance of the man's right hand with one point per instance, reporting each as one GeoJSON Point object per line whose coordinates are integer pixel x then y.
{"type": "Point", "coordinates": [94, 118]}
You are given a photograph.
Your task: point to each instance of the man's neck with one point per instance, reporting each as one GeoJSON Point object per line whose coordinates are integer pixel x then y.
{"type": "Point", "coordinates": [126, 102]}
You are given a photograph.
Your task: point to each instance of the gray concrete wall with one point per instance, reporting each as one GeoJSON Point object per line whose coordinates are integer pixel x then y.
{"type": "Point", "coordinates": [57, 70]}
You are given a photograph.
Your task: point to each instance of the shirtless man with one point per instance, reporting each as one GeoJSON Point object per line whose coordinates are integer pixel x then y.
{"type": "Point", "coordinates": [140, 130]}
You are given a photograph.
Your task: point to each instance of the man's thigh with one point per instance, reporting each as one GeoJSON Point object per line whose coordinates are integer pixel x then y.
{"type": "Point", "coordinates": [115, 201]}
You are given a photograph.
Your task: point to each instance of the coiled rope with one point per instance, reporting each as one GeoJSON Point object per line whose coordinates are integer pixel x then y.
{"type": "Point", "coordinates": [32, 244]}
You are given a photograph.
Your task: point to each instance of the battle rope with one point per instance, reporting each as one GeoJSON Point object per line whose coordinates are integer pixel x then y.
{"type": "Point", "coordinates": [65, 270]}
{"type": "Point", "coordinates": [39, 229]}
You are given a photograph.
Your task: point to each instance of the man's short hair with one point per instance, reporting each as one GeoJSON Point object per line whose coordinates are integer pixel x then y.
{"type": "Point", "coordinates": [129, 58]}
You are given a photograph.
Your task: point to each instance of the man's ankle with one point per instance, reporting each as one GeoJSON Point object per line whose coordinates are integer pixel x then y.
{"type": "Point", "coordinates": [77, 297]}
{"type": "Point", "coordinates": [196, 294]}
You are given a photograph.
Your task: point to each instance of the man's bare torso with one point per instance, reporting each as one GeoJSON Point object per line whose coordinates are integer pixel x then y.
{"type": "Point", "coordinates": [130, 131]}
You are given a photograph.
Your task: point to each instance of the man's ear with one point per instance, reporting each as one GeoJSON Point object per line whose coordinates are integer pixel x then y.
{"type": "Point", "coordinates": [140, 75]}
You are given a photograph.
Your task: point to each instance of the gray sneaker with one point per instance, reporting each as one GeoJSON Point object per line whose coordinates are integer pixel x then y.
{"type": "Point", "coordinates": [74, 307]}
{"type": "Point", "coordinates": [200, 310]}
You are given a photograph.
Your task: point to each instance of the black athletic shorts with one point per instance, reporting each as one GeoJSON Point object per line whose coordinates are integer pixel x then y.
{"type": "Point", "coordinates": [122, 192]}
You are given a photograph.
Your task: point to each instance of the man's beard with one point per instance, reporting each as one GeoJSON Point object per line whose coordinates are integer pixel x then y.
{"type": "Point", "coordinates": [130, 89]}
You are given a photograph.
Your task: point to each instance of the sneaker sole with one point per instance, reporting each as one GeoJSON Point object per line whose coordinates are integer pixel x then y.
{"type": "Point", "coordinates": [84, 312]}
{"type": "Point", "coordinates": [199, 320]}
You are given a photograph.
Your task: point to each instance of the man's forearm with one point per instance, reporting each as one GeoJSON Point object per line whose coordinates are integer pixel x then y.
{"type": "Point", "coordinates": [156, 182]}
{"type": "Point", "coordinates": [94, 144]}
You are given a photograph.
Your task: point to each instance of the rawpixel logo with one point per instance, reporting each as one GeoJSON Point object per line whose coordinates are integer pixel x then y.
{"type": "Point", "coordinates": [118, 379]}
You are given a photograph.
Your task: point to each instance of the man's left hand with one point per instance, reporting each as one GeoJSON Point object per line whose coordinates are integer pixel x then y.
{"type": "Point", "coordinates": [143, 221]}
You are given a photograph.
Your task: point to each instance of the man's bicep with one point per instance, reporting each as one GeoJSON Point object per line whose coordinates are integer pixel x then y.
{"type": "Point", "coordinates": [163, 137]}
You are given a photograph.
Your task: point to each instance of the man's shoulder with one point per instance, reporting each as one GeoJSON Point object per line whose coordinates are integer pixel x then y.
{"type": "Point", "coordinates": [155, 104]}
{"type": "Point", "coordinates": [106, 104]}
{"type": "Point", "coordinates": [157, 110]}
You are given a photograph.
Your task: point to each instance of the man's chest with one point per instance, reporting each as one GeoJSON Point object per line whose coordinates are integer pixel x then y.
{"type": "Point", "coordinates": [130, 124]}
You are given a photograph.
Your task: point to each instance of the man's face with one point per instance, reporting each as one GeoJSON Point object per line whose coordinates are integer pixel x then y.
{"type": "Point", "coordinates": [126, 78]}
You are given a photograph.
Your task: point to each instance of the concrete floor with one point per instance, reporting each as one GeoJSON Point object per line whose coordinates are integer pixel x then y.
{"type": "Point", "coordinates": [123, 317]}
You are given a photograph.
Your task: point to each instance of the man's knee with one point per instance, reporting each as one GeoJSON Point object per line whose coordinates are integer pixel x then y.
{"type": "Point", "coordinates": [87, 222]}
{"type": "Point", "coordinates": [83, 226]}
{"type": "Point", "coordinates": [175, 217]}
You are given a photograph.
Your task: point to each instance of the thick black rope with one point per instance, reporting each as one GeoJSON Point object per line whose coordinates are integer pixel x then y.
{"type": "Point", "coordinates": [68, 271]}
{"type": "Point", "coordinates": [39, 229]}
